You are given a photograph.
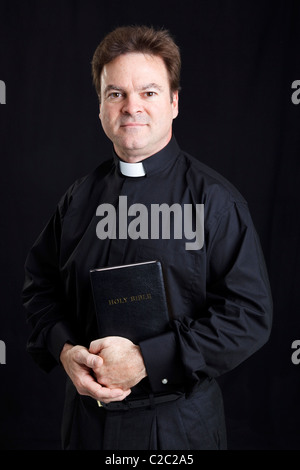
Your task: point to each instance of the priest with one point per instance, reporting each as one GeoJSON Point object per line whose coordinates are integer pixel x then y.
{"type": "Point", "coordinates": [160, 393]}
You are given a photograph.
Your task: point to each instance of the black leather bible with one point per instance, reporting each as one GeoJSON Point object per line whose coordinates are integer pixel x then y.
{"type": "Point", "coordinates": [130, 300]}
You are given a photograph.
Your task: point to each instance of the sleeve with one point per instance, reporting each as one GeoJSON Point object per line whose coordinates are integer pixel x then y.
{"type": "Point", "coordinates": [43, 295]}
{"type": "Point", "coordinates": [237, 317]}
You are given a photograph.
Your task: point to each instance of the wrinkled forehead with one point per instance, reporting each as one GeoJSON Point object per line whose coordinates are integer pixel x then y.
{"type": "Point", "coordinates": [134, 69]}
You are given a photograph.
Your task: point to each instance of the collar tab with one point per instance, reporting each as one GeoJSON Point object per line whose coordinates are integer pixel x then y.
{"type": "Point", "coordinates": [132, 169]}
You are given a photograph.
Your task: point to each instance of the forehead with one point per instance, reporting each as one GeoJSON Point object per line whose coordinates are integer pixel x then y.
{"type": "Point", "coordinates": [128, 69]}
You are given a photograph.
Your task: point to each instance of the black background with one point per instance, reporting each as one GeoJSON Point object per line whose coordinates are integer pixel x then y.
{"type": "Point", "coordinates": [240, 59]}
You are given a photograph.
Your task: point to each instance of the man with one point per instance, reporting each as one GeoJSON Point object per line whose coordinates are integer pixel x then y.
{"type": "Point", "coordinates": [162, 392]}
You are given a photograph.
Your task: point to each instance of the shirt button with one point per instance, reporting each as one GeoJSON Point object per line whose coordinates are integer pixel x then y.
{"type": "Point", "coordinates": [164, 381]}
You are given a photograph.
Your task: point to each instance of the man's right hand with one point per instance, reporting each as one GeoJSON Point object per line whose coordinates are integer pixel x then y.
{"type": "Point", "coordinates": [79, 364]}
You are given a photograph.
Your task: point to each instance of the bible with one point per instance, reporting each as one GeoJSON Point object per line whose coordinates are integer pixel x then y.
{"type": "Point", "coordinates": [130, 300]}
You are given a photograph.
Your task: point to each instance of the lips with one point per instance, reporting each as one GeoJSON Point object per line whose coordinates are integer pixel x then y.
{"type": "Point", "coordinates": [133, 124]}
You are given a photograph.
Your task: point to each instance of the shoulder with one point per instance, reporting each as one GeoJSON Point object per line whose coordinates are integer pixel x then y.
{"type": "Point", "coordinates": [210, 188]}
{"type": "Point", "coordinates": [82, 187]}
{"type": "Point", "coordinates": [210, 179]}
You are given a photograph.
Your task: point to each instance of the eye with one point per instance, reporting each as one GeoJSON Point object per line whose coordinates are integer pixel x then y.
{"type": "Point", "coordinates": [115, 95]}
{"type": "Point", "coordinates": [150, 94]}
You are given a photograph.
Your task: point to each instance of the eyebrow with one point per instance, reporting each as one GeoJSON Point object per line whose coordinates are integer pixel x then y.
{"type": "Point", "coordinates": [151, 85]}
{"type": "Point", "coordinates": [142, 88]}
{"type": "Point", "coordinates": [112, 87]}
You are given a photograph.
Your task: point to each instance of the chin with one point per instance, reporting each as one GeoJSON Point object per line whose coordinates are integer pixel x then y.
{"type": "Point", "coordinates": [130, 144]}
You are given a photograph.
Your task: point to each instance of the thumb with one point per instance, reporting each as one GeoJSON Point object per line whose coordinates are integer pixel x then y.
{"type": "Point", "coordinates": [93, 361]}
{"type": "Point", "coordinates": [88, 359]}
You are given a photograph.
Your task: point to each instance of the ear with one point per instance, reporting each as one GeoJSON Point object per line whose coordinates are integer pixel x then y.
{"type": "Point", "coordinates": [174, 103]}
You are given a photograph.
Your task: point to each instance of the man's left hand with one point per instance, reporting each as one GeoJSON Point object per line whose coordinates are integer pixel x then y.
{"type": "Point", "coordinates": [123, 365]}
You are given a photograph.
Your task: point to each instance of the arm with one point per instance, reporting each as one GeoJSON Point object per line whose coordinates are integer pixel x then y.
{"type": "Point", "coordinates": [236, 318]}
{"type": "Point", "coordinates": [43, 298]}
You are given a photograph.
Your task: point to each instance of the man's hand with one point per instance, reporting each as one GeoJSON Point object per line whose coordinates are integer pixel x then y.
{"type": "Point", "coordinates": [79, 364]}
{"type": "Point", "coordinates": [123, 365]}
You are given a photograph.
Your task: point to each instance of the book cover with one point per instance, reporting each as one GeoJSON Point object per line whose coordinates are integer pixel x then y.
{"type": "Point", "coordinates": [130, 300]}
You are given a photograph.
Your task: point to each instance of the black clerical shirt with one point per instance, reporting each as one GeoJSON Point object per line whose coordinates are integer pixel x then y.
{"type": "Point", "coordinates": [219, 295]}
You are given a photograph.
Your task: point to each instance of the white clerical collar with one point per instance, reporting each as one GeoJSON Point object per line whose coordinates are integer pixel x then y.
{"type": "Point", "coordinates": [132, 169]}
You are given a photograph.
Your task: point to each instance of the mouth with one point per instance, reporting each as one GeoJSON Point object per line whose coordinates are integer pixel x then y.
{"type": "Point", "coordinates": [133, 124]}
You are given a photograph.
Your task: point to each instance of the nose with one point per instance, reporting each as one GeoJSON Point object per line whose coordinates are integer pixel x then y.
{"type": "Point", "coordinates": [132, 105]}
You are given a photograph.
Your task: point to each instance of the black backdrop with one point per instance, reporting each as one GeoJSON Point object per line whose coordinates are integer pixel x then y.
{"type": "Point", "coordinates": [240, 59]}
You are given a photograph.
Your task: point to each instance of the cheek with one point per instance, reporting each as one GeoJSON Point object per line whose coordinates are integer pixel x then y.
{"type": "Point", "coordinates": [109, 116]}
{"type": "Point", "coordinates": [163, 116]}
{"type": "Point", "coordinates": [106, 126]}
{"type": "Point", "coordinates": [105, 118]}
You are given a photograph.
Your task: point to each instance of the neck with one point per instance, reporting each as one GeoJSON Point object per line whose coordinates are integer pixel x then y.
{"type": "Point", "coordinates": [138, 155]}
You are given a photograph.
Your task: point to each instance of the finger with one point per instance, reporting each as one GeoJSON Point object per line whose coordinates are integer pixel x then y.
{"type": "Point", "coordinates": [111, 394]}
{"type": "Point", "coordinates": [94, 361]}
{"type": "Point", "coordinates": [118, 398]}
{"type": "Point", "coordinates": [92, 388]}
{"type": "Point", "coordinates": [96, 346]}
{"type": "Point", "coordinates": [88, 359]}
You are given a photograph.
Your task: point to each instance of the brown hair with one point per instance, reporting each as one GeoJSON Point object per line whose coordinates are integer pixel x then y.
{"type": "Point", "coordinates": [144, 39]}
